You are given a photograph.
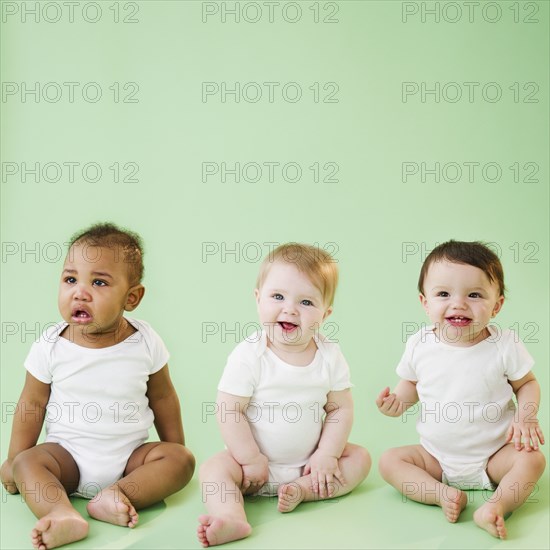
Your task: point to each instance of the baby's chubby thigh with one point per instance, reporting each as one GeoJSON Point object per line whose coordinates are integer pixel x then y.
{"type": "Point", "coordinates": [53, 457]}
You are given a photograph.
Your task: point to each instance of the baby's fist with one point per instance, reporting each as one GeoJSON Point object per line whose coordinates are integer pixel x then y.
{"type": "Point", "coordinates": [255, 474]}
{"type": "Point", "coordinates": [6, 474]}
{"type": "Point", "coordinates": [388, 403]}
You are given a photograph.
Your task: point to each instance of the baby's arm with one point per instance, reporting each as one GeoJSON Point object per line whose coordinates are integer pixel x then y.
{"type": "Point", "coordinates": [525, 426]}
{"type": "Point", "coordinates": [395, 404]}
{"type": "Point", "coordinates": [165, 404]}
{"type": "Point", "coordinates": [323, 463]}
{"type": "Point", "coordinates": [240, 442]}
{"type": "Point", "coordinates": [27, 424]}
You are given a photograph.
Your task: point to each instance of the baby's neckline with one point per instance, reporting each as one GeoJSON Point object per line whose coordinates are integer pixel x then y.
{"type": "Point", "coordinates": [291, 365]}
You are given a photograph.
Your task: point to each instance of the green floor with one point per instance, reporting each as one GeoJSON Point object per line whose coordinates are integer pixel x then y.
{"type": "Point", "coordinates": [374, 516]}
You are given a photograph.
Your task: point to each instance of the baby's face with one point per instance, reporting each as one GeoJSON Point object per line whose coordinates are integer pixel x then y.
{"type": "Point", "coordinates": [290, 306]}
{"type": "Point", "coordinates": [460, 300]}
{"type": "Point", "coordinates": [94, 291]}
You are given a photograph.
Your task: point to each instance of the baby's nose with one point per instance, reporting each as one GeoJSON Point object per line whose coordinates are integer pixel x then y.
{"type": "Point", "coordinates": [459, 303]}
{"type": "Point", "coordinates": [290, 308]}
{"type": "Point", "coordinates": [81, 293]}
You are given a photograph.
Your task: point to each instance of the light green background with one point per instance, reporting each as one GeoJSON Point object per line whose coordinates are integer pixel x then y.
{"type": "Point", "coordinates": [369, 216]}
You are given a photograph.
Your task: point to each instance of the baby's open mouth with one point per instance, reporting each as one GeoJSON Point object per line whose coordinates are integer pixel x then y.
{"type": "Point", "coordinates": [288, 327]}
{"type": "Point", "coordinates": [459, 320]}
{"type": "Point", "coordinates": [81, 314]}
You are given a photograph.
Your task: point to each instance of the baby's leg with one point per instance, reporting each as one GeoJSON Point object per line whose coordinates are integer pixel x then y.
{"type": "Point", "coordinates": [153, 472]}
{"type": "Point", "coordinates": [516, 472]}
{"type": "Point", "coordinates": [417, 475]}
{"type": "Point", "coordinates": [221, 479]}
{"type": "Point", "coordinates": [44, 475]}
{"type": "Point", "coordinates": [354, 464]}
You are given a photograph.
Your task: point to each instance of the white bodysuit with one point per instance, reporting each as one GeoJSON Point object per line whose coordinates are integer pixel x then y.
{"type": "Point", "coordinates": [286, 408]}
{"type": "Point", "coordinates": [98, 410]}
{"type": "Point", "coordinates": [465, 399]}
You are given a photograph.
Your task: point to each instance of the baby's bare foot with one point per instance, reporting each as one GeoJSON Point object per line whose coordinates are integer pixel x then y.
{"type": "Point", "coordinates": [112, 505]}
{"type": "Point", "coordinates": [491, 518]}
{"type": "Point", "coordinates": [213, 531]}
{"type": "Point", "coordinates": [59, 527]}
{"type": "Point", "coordinates": [290, 495]}
{"type": "Point", "coordinates": [453, 502]}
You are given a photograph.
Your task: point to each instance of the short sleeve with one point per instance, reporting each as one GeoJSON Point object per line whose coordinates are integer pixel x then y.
{"type": "Point", "coordinates": [405, 368]}
{"type": "Point", "coordinates": [517, 360]}
{"type": "Point", "coordinates": [157, 350]}
{"type": "Point", "coordinates": [239, 375]}
{"type": "Point", "coordinates": [339, 371]}
{"type": "Point", "coordinates": [37, 362]}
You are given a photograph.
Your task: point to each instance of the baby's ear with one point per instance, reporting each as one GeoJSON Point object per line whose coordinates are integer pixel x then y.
{"type": "Point", "coordinates": [423, 301]}
{"type": "Point", "coordinates": [327, 313]}
{"type": "Point", "coordinates": [135, 295]}
{"type": "Point", "coordinates": [498, 306]}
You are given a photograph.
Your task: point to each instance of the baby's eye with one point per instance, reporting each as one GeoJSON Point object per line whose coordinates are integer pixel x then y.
{"type": "Point", "coordinates": [99, 282]}
{"type": "Point", "coordinates": [443, 294]}
{"type": "Point", "coordinates": [70, 280]}
{"type": "Point", "coordinates": [307, 302]}
{"type": "Point", "coordinates": [278, 296]}
{"type": "Point", "coordinates": [474, 295]}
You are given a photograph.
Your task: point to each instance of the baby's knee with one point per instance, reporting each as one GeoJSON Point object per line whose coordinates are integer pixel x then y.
{"type": "Point", "coordinates": [183, 460]}
{"type": "Point", "coordinates": [218, 465]}
{"type": "Point", "coordinates": [210, 466]}
{"type": "Point", "coordinates": [536, 461]}
{"type": "Point", "coordinates": [206, 468]}
{"type": "Point", "coordinates": [25, 460]}
{"type": "Point", "coordinates": [364, 458]}
{"type": "Point", "coordinates": [387, 462]}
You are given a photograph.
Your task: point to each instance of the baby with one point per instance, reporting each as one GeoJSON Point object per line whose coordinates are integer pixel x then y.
{"type": "Point", "coordinates": [284, 403]}
{"type": "Point", "coordinates": [464, 372]}
{"type": "Point", "coordinates": [99, 380]}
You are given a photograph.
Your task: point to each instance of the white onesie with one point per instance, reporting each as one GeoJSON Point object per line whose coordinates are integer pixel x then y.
{"type": "Point", "coordinates": [465, 399]}
{"type": "Point", "coordinates": [98, 410]}
{"type": "Point", "coordinates": [286, 408]}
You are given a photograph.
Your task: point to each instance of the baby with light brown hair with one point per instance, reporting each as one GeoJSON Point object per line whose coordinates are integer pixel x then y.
{"type": "Point", "coordinates": [285, 409]}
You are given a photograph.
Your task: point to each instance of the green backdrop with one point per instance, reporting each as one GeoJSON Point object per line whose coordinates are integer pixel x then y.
{"type": "Point", "coordinates": [375, 129]}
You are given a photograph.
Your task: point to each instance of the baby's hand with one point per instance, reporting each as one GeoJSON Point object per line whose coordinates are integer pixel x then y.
{"type": "Point", "coordinates": [388, 403]}
{"type": "Point", "coordinates": [255, 474]}
{"type": "Point", "coordinates": [323, 469]}
{"type": "Point", "coordinates": [6, 474]}
{"type": "Point", "coordinates": [525, 434]}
